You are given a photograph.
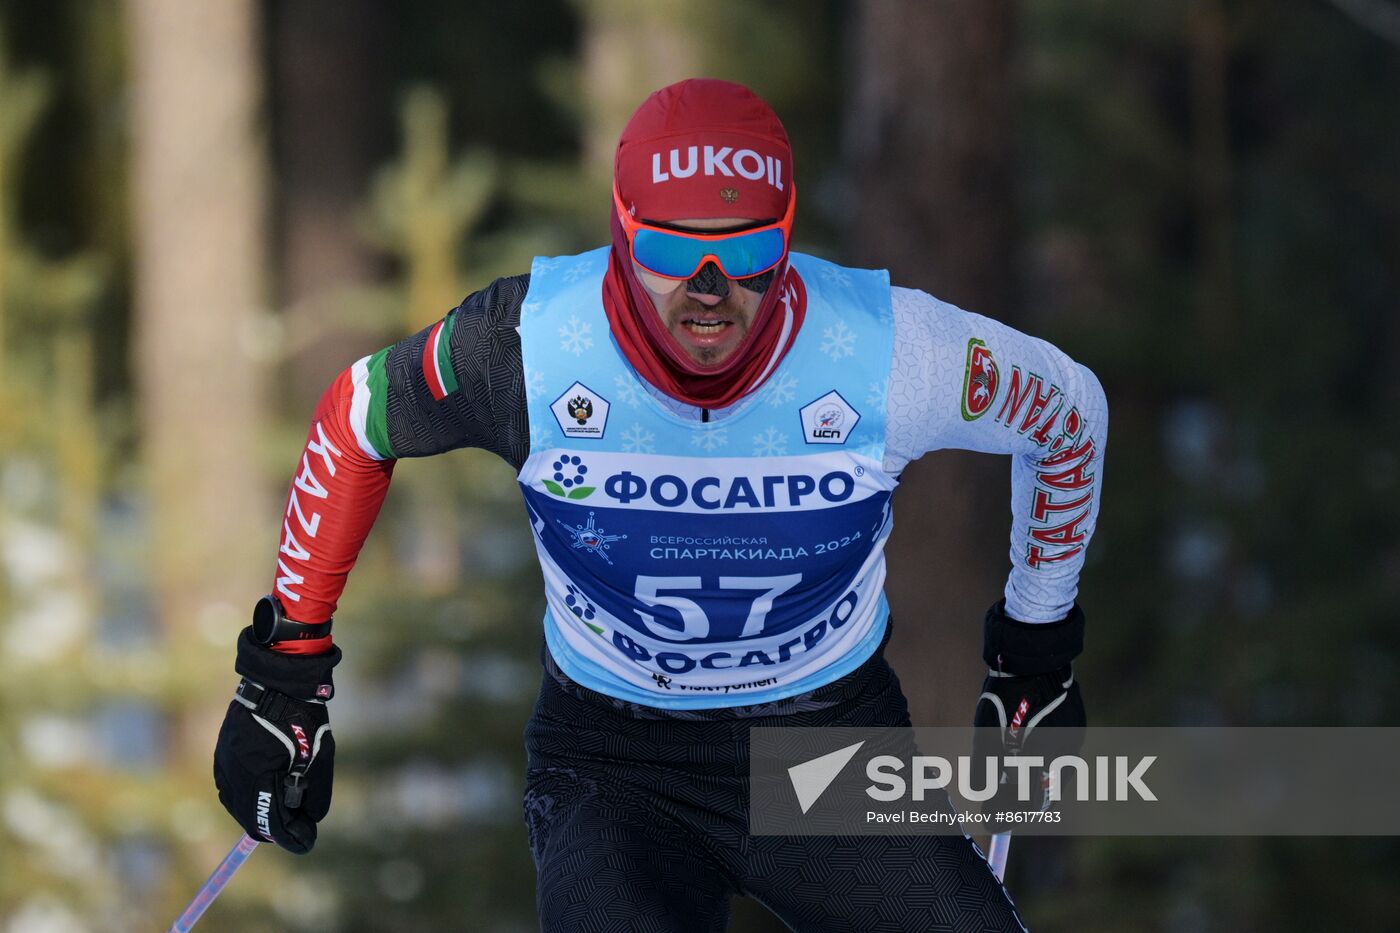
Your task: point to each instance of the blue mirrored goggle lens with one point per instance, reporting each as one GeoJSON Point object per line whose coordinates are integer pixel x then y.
{"type": "Point", "coordinates": [740, 255]}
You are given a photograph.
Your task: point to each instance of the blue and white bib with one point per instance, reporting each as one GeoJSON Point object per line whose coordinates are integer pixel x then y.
{"type": "Point", "coordinates": [692, 565]}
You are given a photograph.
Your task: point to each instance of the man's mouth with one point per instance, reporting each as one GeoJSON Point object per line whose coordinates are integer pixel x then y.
{"type": "Point", "coordinates": [704, 327]}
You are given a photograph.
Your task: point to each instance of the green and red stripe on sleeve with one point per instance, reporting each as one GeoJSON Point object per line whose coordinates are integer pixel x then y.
{"type": "Point", "coordinates": [437, 362]}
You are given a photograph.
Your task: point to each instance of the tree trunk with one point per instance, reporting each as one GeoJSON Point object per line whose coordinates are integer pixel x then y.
{"type": "Point", "coordinates": [630, 48]}
{"type": "Point", "coordinates": [198, 189]}
{"type": "Point", "coordinates": [929, 145]}
{"type": "Point", "coordinates": [331, 128]}
{"type": "Point", "coordinates": [1209, 44]}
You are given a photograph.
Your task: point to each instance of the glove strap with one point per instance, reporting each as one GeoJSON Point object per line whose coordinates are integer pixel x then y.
{"type": "Point", "coordinates": [1010, 646]}
{"type": "Point", "coordinates": [266, 702]}
{"type": "Point", "coordinates": [305, 677]}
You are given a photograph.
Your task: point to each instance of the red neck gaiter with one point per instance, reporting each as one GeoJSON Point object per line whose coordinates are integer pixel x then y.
{"type": "Point", "coordinates": [701, 149]}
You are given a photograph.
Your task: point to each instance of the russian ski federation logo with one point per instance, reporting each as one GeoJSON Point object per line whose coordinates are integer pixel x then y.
{"type": "Point", "coordinates": [581, 412]}
{"type": "Point", "coordinates": [829, 420]}
{"type": "Point", "coordinates": [980, 381]}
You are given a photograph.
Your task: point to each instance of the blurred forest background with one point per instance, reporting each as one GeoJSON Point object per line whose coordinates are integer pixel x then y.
{"type": "Point", "coordinates": [208, 208]}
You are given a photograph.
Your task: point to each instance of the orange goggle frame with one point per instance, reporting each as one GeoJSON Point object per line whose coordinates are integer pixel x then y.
{"type": "Point", "coordinates": [680, 254]}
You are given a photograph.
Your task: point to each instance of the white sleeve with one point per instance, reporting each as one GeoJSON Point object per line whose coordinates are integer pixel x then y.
{"type": "Point", "coordinates": [963, 381]}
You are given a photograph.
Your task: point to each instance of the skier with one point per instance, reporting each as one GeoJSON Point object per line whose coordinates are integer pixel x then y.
{"type": "Point", "coordinates": [707, 428]}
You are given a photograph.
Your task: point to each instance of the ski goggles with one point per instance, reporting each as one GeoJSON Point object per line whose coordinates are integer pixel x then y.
{"type": "Point", "coordinates": [679, 254]}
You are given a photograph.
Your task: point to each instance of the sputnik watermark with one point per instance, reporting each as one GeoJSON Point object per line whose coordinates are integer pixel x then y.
{"type": "Point", "coordinates": [1103, 778]}
{"type": "Point", "coordinates": [1149, 781]}
{"type": "Point", "coordinates": [967, 819]}
{"type": "Point", "coordinates": [811, 778]}
{"type": "Point", "coordinates": [1114, 778]}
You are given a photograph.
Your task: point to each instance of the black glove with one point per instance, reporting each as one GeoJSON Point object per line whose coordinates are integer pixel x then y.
{"type": "Point", "coordinates": [275, 756]}
{"type": "Point", "coordinates": [1030, 703]}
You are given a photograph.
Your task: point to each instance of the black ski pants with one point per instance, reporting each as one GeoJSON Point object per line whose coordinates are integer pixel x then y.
{"type": "Point", "coordinates": [641, 824]}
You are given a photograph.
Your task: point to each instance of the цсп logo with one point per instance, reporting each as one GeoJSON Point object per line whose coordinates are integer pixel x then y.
{"type": "Point", "coordinates": [829, 419]}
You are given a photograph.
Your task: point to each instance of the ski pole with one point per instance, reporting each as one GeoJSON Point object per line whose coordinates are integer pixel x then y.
{"type": "Point", "coordinates": [231, 863]}
{"type": "Point", "coordinates": [1000, 844]}
{"type": "Point", "coordinates": [997, 850]}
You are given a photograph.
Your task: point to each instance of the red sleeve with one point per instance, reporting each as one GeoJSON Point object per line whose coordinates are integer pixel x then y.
{"type": "Point", "coordinates": [332, 503]}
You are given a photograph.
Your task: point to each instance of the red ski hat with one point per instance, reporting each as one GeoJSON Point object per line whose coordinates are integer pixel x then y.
{"type": "Point", "coordinates": [704, 148]}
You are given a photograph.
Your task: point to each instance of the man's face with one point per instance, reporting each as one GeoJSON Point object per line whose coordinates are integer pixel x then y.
{"type": "Point", "coordinates": [709, 327]}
